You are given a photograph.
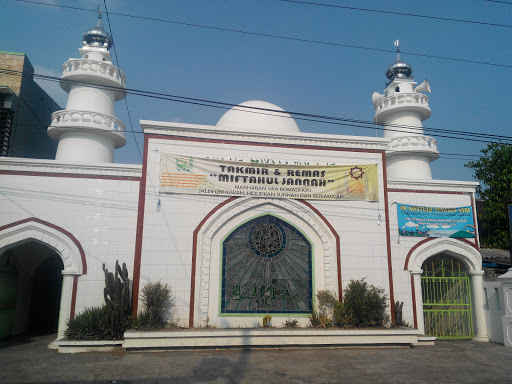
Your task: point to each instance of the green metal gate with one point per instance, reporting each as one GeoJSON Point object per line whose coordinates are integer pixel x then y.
{"type": "Point", "coordinates": [446, 299]}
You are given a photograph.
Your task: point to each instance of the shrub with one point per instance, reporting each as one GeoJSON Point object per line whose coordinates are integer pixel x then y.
{"type": "Point", "coordinates": [158, 307]}
{"type": "Point", "coordinates": [326, 303]}
{"type": "Point", "coordinates": [291, 323]}
{"type": "Point", "coordinates": [92, 324]}
{"type": "Point", "coordinates": [365, 304]}
{"type": "Point", "coordinates": [340, 317]}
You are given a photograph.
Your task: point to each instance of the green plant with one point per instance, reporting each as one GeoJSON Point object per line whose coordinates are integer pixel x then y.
{"type": "Point", "coordinates": [291, 323]}
{"type": "Point", "coordinates": [92, 324]}
{"type": "Point", "coordinates": [494, 172]}
{"type": "Point", "coordinates": [365, 304]}
{"type": "Point", "coordinates": [117, 300]}
{"type": "Point", "coordinates": [341, 318]}
{"type": "Point", "coordinates": [267, 321]}
{"type": "Point", "coordinates": [158, 307]}
{"type": "Point", "coordinates": [326, 303]}
{"type": "Point", "coordinates": [399, 319]}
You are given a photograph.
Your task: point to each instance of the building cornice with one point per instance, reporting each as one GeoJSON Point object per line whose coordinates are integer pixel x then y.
{"type": "Point", "coordinates": [299, 139]}
{"type": "Point", "coordinates": [432, 185]}
{"type": "Point", "coordinates": [15, 164]}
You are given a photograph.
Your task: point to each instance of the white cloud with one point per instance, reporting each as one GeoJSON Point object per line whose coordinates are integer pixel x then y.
{"type": "Point", "coordinates": [52, 88]}
{"type": "Point", "coordinates": [446, 226]}
{"type": "Point", "coordinates": [411, 224]}
{"type": "Point", "coordinates": [433, 226]}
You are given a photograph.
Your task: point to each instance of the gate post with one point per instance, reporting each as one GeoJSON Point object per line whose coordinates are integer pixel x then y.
{"type": "Point", "coordinates": [478, 301]}
{"type": "Point", "coordinates": [419, 300]}
{"type": "Point", "coordinates": [506, 281]}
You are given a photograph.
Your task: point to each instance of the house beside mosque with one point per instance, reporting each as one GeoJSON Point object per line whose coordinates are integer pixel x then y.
{"type": "Point", "coordinates": [243, 218]}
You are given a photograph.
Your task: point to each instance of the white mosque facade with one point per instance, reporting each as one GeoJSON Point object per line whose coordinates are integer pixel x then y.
{"type": "Point", "coordinates": [243, 218]}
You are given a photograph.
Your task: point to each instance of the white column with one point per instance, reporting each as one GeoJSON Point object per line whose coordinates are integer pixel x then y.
{"type": "Point", "coordinates": [506, 281]}
{"type": "Point", "coordinates": [65, 304]}
{"type": "Point", "coordinates": [419, 300]}
{"type": "Point", "coordinates": [478, 306]}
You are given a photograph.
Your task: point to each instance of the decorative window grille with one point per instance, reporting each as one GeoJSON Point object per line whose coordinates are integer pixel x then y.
{"type": "Point", "coordinates": [266, 268]}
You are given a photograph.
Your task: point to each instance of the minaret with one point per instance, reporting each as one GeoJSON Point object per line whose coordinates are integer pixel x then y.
{"type": "Point", "coordinates": [87, 129]}
{"type": "Point", "coordinates": [401, 110]}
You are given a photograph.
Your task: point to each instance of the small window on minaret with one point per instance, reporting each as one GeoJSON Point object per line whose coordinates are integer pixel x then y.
{"type": "Point", "coordinates": [397, 89]}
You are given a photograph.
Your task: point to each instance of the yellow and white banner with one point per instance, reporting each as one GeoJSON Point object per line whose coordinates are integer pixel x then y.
{"type": "Point", "coordinates": [179, 174]}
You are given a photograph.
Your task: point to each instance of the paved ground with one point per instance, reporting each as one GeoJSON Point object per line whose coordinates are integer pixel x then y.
{"type": "Point", "coordinates": [29, 361]}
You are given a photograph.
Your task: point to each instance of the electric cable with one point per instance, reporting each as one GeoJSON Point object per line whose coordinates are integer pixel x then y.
{"type": "Point", "coordinates": [273, 36]}
{"type": "Point", "coordinates": [298, 115]}
{"type": "Point", "coordinates": [122, 83]}
{"type": "Point", "coordinates": [396, 13]}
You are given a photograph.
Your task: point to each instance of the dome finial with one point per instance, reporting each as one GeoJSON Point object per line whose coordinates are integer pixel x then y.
{"type": "Point", "coordinates": [399, 68]}
{"type": "Point", "coordinates": [97, 37]}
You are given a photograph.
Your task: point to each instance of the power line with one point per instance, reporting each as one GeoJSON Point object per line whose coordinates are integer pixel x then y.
{"type": "Point", "coordinates": [280, 37]}
{"type": "Point", "coordinates": [442, 155]}
{"type": "Point", "coordinates": [500, 2]}
{"type": "Point", "coordinates": [440, 18]}
{"type": "Point", "coordinates": [462, 135]}
{"type": "Point", "coordinates": [122, 83]}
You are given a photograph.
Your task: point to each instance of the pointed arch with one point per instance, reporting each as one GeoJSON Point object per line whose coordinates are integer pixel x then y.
{"type": "Point", "coordinates": [230, 214]}
{"type": "Point", "coordinates": [460, 248]}
{"type": "Point", "coordinates": [63, 242]}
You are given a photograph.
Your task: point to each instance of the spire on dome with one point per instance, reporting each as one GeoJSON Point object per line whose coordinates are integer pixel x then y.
{"type": "Point", "coordinates": [97, 37]}
{"type": "Point", "coordinates": [399, 68]}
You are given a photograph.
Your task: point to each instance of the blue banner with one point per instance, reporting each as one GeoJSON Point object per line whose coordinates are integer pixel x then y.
{"type": "Point", "coordinates": [418, 221]}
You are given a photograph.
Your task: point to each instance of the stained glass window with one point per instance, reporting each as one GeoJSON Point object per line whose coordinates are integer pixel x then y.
{"type": "Point", "coordinates": [266, 268]}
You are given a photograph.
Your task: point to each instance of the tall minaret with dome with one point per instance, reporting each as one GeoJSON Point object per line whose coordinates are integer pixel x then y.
{"type": "Point", "coordinates": [87, 130]}
{"type": "Point", "coordinates": [401, 110]}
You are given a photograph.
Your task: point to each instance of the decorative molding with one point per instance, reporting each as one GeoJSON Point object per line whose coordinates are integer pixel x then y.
{"type": "Point", "coordinates": [93, 120]}
{"type": "Point", "coordinates": [301, 139]}
{"type": "Point", "coordinates": [387, 103]}
{"type": "Point", "coordinates": [63, 242]}
{"type": "Point", "coordinates": [15, 165]}
{"type": "Point", "coordinates": [432, 246]}
{"type": "Point", "coordinates": [405, 145]}
{"type": "Point", "coordinates": [94, 66]}
{"type": "Point", "coordinates": [465, 187]}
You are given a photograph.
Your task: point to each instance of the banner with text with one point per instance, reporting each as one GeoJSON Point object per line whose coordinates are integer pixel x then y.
{"type": "Point", "coordinates": [179, 174]}
{"type": "Point", "coordinates": [421, 221]}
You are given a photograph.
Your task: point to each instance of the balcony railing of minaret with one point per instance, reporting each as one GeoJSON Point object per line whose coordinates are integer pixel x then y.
{"type": "Point", "coordinates": [97, 120]}
{"type": "Point", "coordinates": [408, 142]}
{"type": "Point", "coordinates": [401, 98]}
{"type": "Point", "coordinates": [86, 65]}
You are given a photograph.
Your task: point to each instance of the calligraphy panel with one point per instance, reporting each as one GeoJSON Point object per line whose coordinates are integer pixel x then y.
{"type": "Point", "coordinates": [266, 268]}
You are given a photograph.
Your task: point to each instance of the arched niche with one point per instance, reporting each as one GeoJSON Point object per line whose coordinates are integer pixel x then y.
{"type": "Point", "coordinates": [207, 279]}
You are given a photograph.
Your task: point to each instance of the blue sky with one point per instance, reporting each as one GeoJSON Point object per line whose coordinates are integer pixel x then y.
{"type": "Point", "coordinates": [302, 77]}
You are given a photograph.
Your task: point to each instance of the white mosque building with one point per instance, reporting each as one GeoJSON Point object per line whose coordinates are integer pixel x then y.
{"type": "Point", "coordinates": [244, 218]}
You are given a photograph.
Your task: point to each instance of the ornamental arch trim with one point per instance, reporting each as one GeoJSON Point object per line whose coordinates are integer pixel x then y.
{"type": "Point", "coordinates": [232, 215]}
{"type": "Point", "coordinates": [466, 252]}
{"type": "Point", "coordinates": [61, 241]}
